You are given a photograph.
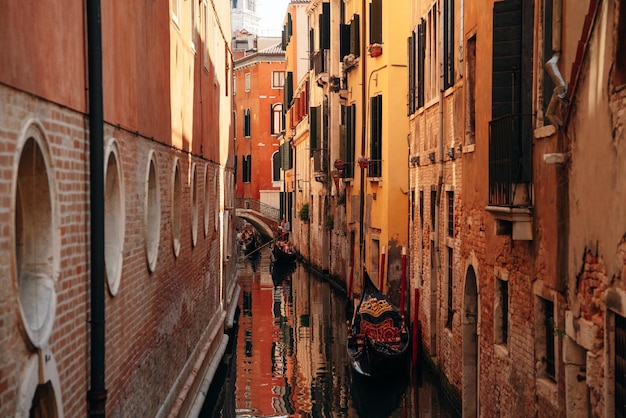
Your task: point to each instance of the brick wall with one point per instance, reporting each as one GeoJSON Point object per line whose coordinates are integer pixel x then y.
{"type": "Point", "coordinates": [157, 320]}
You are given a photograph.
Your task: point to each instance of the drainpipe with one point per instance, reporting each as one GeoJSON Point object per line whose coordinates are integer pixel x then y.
{"type": "Point", "coordinates": [363, 132]}
{"type": "Point", "coordinates": [97, 393]}
{"type": "Point", "coordinates": [440, 152]}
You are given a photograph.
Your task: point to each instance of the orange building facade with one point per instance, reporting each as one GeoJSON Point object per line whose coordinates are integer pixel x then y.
{"type": "Point", "coordinates": [258, 121]}
{"type": "Point", "coordinates": [158, 240]}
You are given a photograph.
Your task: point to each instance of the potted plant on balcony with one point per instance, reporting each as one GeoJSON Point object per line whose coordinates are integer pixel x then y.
{"type": "Point", "coordinates": [375, 49]}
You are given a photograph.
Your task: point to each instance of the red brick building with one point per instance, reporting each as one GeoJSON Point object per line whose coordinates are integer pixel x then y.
{"type": "Point", "coordinates": [162, 233]}
{"type": "Point", "coordinates": [259, 78]}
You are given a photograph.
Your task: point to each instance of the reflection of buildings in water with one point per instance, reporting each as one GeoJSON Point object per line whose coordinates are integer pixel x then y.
{"type": "Point", "coordinates": [266, 330]}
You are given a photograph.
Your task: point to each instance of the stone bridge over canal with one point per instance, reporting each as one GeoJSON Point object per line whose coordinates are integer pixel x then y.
{"type": "Point", "coordinates": [264, 218]}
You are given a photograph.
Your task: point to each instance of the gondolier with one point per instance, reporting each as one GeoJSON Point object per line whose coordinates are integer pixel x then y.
{"type": "Point", "coordinates": [285, 227]}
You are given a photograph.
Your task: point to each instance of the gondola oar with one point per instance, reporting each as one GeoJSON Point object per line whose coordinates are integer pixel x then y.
{"type": "Point", "coordinates": [258, 248]}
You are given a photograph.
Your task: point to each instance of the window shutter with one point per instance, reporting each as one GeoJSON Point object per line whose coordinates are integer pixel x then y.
{"type": "Point", "coordinates": [410, 42]}
{"type": "Point", "coordinates": [376, 22]}
{"type": "Point", "coordinates": [448, 44]}
{"type": "Point", "coordinates": [325, 27]}
{"type": "Point", "coordinates": [344, 40]}
{"type": "Point", "coordinates": [311, 49]}
{"type": "Point", "coordinates": [507, 56]}
{"type": "Point", "coordinates": [313, 116]}
{"type": "Point", "coordinates": [249, 168]}
{"type": "Point", "coordinates": [355, 46]}
{"type": "Point", "coordinates": [421, 51]}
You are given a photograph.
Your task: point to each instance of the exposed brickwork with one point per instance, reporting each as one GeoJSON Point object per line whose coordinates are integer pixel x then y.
{"type": "Point", "coordinates": [154, 316]}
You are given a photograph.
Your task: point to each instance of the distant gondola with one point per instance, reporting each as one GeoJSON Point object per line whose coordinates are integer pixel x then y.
{"type": "Point", "coordinates": [378, 338]}
{"type": "Point", "coordinates": [247, 241]}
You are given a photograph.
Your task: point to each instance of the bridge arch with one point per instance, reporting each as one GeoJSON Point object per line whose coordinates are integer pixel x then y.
{"type": "Point", "coordinates": [266, 227]}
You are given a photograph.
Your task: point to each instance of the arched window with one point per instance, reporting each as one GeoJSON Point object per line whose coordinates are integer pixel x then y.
{"type": "Point", "coordinates": [276, 166]}
{"type": "Point", "coordinates": [246, 123]}
{"type": "Point", "coordinates": [276, 123]}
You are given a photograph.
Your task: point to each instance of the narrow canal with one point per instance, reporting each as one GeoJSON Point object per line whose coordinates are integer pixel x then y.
{"type": "Point", "coordinates": [287, 357]}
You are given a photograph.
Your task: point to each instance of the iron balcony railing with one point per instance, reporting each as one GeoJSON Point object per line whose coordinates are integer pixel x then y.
{"type": "Point", "coordinates": [375, 168]}
{"type": "Point", "coordinates": [264, 209]}
{"type": "Point", "coordinates": [510, 164]}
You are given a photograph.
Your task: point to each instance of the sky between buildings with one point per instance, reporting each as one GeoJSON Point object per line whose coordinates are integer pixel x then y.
{"type": "Point", "coordinates": [272, 14]}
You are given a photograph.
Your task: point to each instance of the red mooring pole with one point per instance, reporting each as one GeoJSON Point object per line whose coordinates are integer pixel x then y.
{"type": "Point", "coordinates": [416, 326]}
{"type": "Point", "coordinates": [382, 270]}
{"type": "Point", "coordinates": [403, 281]}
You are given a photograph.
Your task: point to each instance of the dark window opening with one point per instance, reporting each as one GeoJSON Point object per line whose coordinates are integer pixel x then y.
{"type": "Point", "coordinates": [450, 214]}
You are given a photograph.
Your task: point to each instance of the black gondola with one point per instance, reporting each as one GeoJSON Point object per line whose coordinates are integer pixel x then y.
{"type": "Point", "coordinates": [247, 240]}
{"type": "Point", "coordinates": [283, 252]}
{"type": "Point", "coordinates": [378, 338]}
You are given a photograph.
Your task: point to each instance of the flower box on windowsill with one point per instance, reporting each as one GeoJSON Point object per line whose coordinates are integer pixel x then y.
{"type": "Point", "coordinates": [375, 50]}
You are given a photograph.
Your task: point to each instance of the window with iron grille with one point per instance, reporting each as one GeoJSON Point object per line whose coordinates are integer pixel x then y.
{"type": "Point", "coordinates": [450, 196]}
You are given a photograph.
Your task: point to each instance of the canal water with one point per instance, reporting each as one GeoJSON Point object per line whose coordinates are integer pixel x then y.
{"type": "Point", "coordinates": [287, 356]}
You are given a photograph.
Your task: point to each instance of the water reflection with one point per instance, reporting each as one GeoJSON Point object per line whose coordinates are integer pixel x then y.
{"type": "Point", "coordinates": [289, 356]}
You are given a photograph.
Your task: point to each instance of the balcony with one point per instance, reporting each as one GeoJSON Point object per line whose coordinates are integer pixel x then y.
{"type": "Point", "coordinates": [375, 169]}
{"type": "Point", "coordinates": [510, 175]}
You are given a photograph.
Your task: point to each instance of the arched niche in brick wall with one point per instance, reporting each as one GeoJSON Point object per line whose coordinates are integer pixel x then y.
{"type": "Point", "coordinates": [193, 188]}
{"type": "Point", "coordinates": [40, 388]}
{"type": "Point", "coordinates": [216, 201]}
{"type": "Point", "coordinates": [36, 235]}
{"type": "Point", "coordinates": [152, 212]}
{"type": "Point", "coordinates": [114, 216]}
{"type": "Point", "coordinates": [176, 207]}
{"type": "Point", "coordinates": [207, 200]}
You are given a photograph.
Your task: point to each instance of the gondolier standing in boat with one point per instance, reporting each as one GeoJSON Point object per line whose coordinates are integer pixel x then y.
{"type": "Point", "coordinates": [285, 226]}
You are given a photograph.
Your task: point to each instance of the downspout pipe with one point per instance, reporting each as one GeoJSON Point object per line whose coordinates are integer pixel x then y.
{"type": "Point", "coordinates": [97, 393]}
{"type": "Point", "coordinates": [363, 62]}
{"type": "Point", "coordinates": [439, 150]}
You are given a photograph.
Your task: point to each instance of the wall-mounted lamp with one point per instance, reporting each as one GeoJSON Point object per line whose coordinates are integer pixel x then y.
{"type": "Point", "coordinates": [451, 153]}
{"type": "Point", "coordinates": [415, 161]}
{"type": "Point", "coordinates": [431, 157]}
